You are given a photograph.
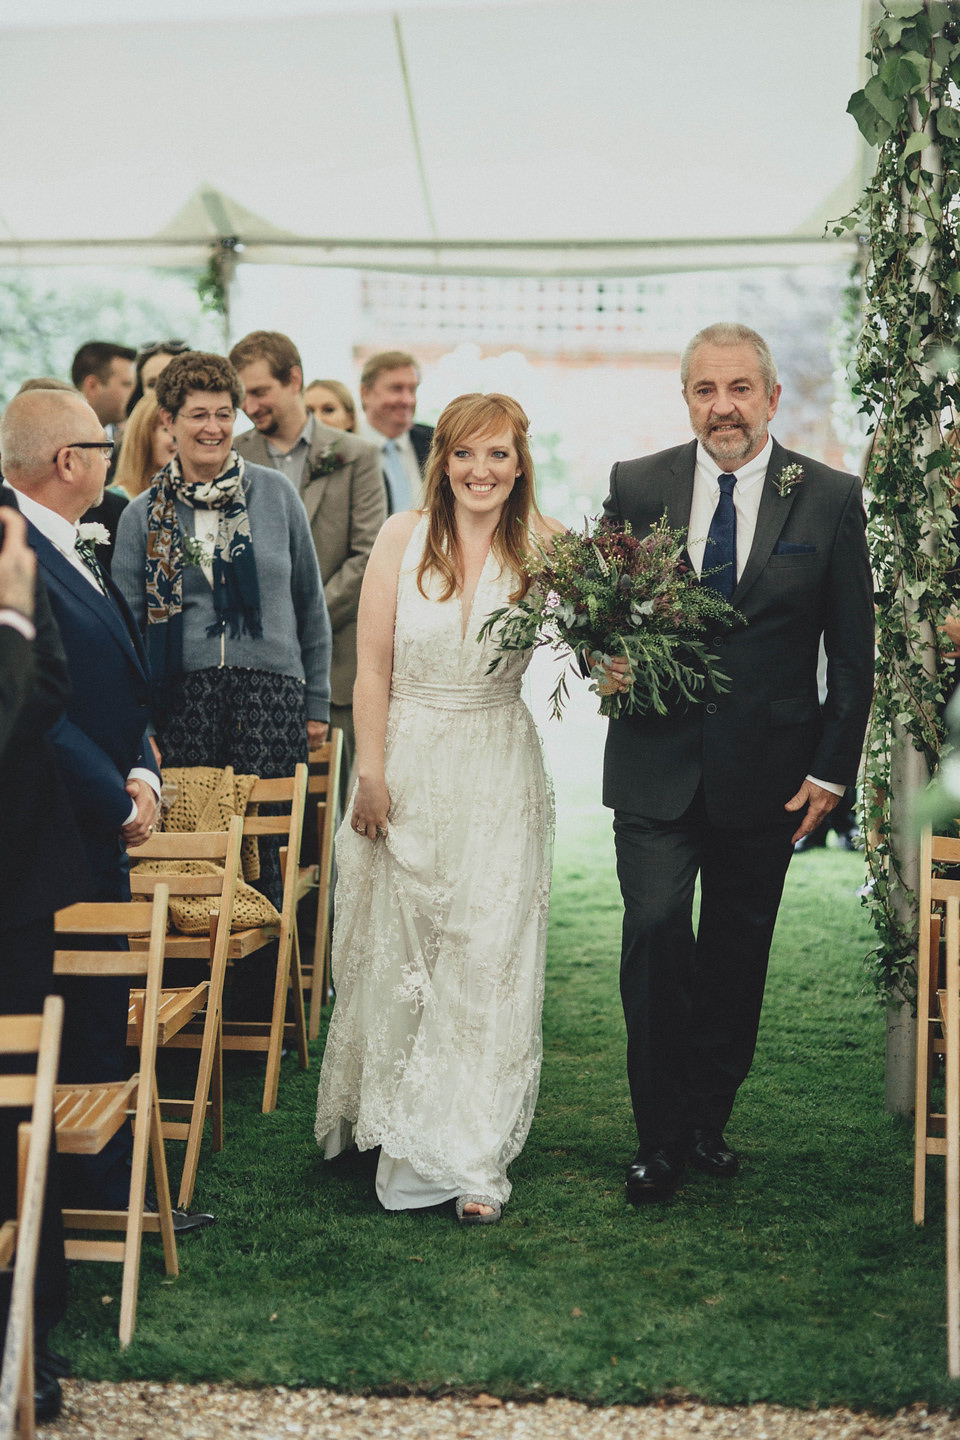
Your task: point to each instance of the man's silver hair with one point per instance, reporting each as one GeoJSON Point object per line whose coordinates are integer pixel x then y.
{"type": "Point", "coordinates": [726, 332]}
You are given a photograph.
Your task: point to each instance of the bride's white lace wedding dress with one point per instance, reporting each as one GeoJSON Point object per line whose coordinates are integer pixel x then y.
{"type": "Point", "coordinates": [439, 940]}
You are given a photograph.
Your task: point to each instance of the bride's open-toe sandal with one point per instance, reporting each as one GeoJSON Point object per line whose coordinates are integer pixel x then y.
{"type": "Point", "coordinates": [474, 1217]}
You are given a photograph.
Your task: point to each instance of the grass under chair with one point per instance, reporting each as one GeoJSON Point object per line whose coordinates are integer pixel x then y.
{"type": "Point", "coordinates": [802, 1282]}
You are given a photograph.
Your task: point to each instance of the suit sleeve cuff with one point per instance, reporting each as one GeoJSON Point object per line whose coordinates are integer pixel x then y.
{"type": "Point", "coordinates": [19, 622]}
{"type": "Point", "coordinates": [152, 780]}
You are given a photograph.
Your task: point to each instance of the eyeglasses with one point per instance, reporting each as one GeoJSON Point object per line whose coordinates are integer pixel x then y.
{"type": "Point", "coordinates": [104, 446]}
{"type": "Point", "coordinates": [200, 417]}
{"type": "Point", "coordinates": [162, 347]}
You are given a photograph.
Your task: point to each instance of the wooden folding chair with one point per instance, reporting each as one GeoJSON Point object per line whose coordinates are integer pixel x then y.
{"type": "Point", "coordinates": [20, 1237]}
{"type": "Point", "coordinates": [269, 1036]}
{"type": "Point", "coordinates": [323, 786]}
{"type": "Point", "coordinates": [198, 1006]}
{"type": "Point", "coordinates": [88, 1115]}
{"type": "Point", "coordinates": [930, 1134]}
{"type": "Point", "coordinates": [949, 1002]}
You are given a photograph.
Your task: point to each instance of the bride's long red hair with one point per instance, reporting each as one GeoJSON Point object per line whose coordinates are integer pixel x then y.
{"type": "Point", "coordinates": [481, 416]}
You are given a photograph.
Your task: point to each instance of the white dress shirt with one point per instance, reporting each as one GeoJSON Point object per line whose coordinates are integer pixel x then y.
{"type": "Point", "coordinates": [746, 503]}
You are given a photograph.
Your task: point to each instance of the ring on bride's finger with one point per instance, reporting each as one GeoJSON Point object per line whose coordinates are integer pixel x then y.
{"type": "Point", "coordinates": [381, 831]}
{"type": "Point", "coordinates": [358, 827]}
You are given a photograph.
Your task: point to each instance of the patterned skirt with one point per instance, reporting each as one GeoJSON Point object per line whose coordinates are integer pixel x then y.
{"type": "Point", "coordinates": [254, 720]}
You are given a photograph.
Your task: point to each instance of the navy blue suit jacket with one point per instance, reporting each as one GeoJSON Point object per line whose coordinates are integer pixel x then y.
{"type": "Point", "coordinates": [103, 733]}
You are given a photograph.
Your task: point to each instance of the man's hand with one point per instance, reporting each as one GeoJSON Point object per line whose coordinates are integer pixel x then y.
{"type": "Point", "coordinates": [18, 565]}
{"type": "Point", "coordinates": [617, 671]}
{"type": "Point", "coordinates": [951, 628]}
{"type": "Point", "coordinates": [141, 828]}
{"type": "Point", "coordinates": [317, 731]}
{"type": "Point", "coordinates": [819, 803]}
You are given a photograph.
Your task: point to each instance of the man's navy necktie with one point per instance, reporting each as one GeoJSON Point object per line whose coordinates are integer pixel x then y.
{"type": "Point", "coordinates": [720, 555]}
{"type": "Point", "coordinates": [88, 555]}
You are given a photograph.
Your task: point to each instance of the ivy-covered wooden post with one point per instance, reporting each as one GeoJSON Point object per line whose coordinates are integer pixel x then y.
{"type": "Point", "coordinates": [907, 382]}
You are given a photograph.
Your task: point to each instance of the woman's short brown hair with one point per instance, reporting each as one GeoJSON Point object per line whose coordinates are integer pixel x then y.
{"type": "Point", "coordinates": [197, 370]}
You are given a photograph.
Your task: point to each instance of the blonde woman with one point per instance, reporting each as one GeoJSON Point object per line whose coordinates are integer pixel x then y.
{"type": "Point", "coordinates": [147, 446]}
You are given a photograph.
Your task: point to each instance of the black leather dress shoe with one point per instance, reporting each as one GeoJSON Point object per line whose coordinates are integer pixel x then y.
{"type": "Point", "coordinates": [653, 1174]}
{"type": "Point", "coordinates": [711, 1154]}
{"type": "Point", "coordinates": [183, 1220]}
{"type": "Point", "coordinates": [47, 1398]}
{"type": "Point", "coordinates": [50, 1361]}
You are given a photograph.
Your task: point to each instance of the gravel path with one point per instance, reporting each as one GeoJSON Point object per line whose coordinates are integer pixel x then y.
{"type": "Point", "coordinates": [138, 1410]}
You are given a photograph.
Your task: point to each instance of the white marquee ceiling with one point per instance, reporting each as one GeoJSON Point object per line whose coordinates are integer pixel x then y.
{"type": "Point", "coordinates": [603, 136]}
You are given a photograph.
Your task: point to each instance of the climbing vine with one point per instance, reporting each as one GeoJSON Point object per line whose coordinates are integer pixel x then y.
{"type": "Point", "coordinates": [907, 383]}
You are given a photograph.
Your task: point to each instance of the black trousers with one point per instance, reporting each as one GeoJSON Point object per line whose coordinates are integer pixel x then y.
{"type": "Point", "coordinates": [692, 1002]}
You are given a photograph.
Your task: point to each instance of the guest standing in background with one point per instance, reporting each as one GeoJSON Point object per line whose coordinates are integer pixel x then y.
{"type": "Point", "coordinates": [147, 446]}
{"type": "Point", "coordinates": [217, 564]}
{"type": "Point", "coordinates": [388, 393]}
{"type": "Point", "coordinates": [332, 404]}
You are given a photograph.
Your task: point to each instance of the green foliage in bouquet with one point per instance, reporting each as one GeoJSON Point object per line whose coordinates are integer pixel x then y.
{"type": "Point", "coordinates": [605, 592]}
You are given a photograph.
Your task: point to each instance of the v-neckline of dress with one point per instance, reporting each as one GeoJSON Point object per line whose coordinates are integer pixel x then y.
{"type": "Point", "coordinates": [466, 628]}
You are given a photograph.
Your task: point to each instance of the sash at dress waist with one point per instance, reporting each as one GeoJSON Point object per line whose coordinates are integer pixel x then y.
{"type": "Point", "coordinates": [473, 695]}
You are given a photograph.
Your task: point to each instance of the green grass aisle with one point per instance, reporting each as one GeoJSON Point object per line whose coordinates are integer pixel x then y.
{"type": "Point", "coordinates": [802, 1282]}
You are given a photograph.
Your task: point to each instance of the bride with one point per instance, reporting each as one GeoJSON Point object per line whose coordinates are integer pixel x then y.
{"type": "Point", "coordinates": [443, 887]}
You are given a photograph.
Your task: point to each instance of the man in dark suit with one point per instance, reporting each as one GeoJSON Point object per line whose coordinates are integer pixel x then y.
{"type": "Point", "coordinates": [724, 788]}
{"type": "Point", "coordinates": [55, 456]}
{"type": "Point", "coordinates": [388, 393]}
{"type": "Point", "coordinates": [41, 869]}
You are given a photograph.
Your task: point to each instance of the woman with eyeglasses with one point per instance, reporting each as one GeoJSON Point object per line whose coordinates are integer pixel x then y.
{"type": "Point", "coordinates": [151, 360]}
{"type": "Point", "coordinates": [218, 565]}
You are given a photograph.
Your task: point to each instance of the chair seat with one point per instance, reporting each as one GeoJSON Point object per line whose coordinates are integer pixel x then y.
{"type": "Point", "coordinates": [85, 1116]}
{"type": "Point", "coordinates": [177, 1009]}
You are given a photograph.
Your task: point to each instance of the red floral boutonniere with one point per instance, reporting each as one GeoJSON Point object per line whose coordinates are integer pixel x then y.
{"type": "Point", "coordinates": [329, 461]}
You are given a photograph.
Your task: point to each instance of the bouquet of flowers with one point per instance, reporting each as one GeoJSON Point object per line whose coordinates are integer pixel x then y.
{"type": "Point", "coordinates": [604, 593]}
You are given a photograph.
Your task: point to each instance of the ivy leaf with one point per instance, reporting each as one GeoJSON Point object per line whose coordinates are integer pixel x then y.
{"type": "Point", "coordinates": [904, 9]}
{"type": "Point", "coordinates": [871, 125]}
{"type": "Point", "coordinates": [916, 142]}
{"type": "Point", "coordinates": [898, 76]}
{"type": "Point", "coordinates": [885, 104]}
{"type": "Point", "coordinates": [948, 122]}
{"type": "Point", "coordinates": [939, 13]}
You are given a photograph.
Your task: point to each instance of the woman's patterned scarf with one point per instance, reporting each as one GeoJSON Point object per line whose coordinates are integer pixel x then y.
{"type": "Point", "coordinates": [236, 593]}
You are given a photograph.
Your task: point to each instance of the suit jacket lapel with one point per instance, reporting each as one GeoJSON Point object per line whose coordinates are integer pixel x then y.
{"type": "Point", "coordinates": [679, 495]}
{"type": "Point", "coordinates": [771, 518]}
{"type": "Point", "coordinates": [106, 608]}
{"type": "Point", "coordinates": [312, 490]}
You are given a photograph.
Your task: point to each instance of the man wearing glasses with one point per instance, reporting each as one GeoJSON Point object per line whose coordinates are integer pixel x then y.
{"type": "Point", "coordinates": [55, 457]}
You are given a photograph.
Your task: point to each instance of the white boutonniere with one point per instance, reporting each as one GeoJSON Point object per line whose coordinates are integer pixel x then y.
{"type": "Point", "coordinates": [197, 552]}
{"type": "Point", "coordinates": [789, 476]}
{"type": "Point", "coordinates": [93, 533]}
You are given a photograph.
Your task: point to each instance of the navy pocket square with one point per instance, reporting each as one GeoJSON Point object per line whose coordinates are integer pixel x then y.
{"type": "Point", "coordinates": [787, 547]}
